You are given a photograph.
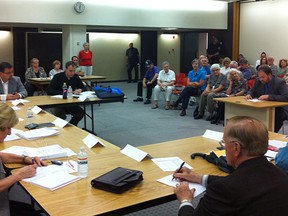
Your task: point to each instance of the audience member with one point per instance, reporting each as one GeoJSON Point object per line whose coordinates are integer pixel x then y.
{"type": "Point", "coordinates": [165, 83]}
{"type": "Point", "coordinates": [256, 187]}
{"type": "Point", "coordinates": [269, 87]}
{"type": "Point", "coordinates": [79, 70]}
{"type": "Point", "coordinates": [132, 61]}
{"type": "Point", "coordinates": [226, 68]}
{"type": "Point", "coordinates": [233, 64]}
{"type": "Point", "coordinates": [216, 84]}
{"type": "Point", "coordinates": [271, 64]}
{"type": "Point", "coordinates": [240, 56]}
{"type": "Point", "coordinates": [11, 85]}
{"type": "Point", "coordinates": [244, 68]}
{"type": "Point", "coordinates": [263, 61]}
{"type": "Point", "coordinates": [149, 82]}
{"type": "Point", "coordinates": [195, 86]}
{"type": "Point", "coordinates": [282, 70]}
{"type": "Point", "coordinates": [85, 59]}
{"type": "Point", "coordinates": [214, 50]}
{"type": "Point", "coordinates": [237, 84]}
{"type": "Point", "coordinates": [34, 71]}
{"type": "Point", "coordinates": [258, 62]}
{"type": "Point", "coordinates": [56, 68]}
{"type": "Point", "coordinates": [204, 65]}
{"type": "Point", "coordinates": [55, 88]}
{"type": "Point", "coordinates": [9, 119]}
{"type": "Point", "coordinates": [221, 63]}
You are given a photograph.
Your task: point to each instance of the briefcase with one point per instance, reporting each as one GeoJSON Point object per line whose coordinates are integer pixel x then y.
{"type": "Point", "coordinates": [118, 180]}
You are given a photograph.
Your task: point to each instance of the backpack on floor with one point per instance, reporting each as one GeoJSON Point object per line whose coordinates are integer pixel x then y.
{"type": "Point", "coordinates": [108, 92]}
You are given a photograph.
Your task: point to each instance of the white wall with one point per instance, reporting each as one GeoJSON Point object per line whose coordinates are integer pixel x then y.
{"type": "Point", "coordinates": [148, 13]}
{"type": "Point", "coordinates": [6, 46]}
{"type": "Point", "coordinates": [263, 27]}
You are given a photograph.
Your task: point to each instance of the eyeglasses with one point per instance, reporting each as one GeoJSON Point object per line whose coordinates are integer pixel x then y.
{"type": "Point", "coordinates": [222, 142]}
{"type": "Point", "coordinates": [215, 70]}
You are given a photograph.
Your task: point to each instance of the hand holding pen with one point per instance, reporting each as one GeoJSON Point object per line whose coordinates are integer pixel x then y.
{"type": "Point", "coordinates": [179, 170]}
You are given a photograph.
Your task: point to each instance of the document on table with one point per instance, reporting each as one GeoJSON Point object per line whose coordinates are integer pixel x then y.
{"type": "Point", "coordinates": [277, 143]}
{"type": "Point", "coordinates": [46, 152]}
{"type": "Point", "coordinates": [168, 181]}
{"type": "Point", "coordinates": [255, 100]}
{"type": "Point", "coordinates": [13, 135]}
{"type": "Point", "coordinates": [53, 177]}
{"type": "Point", "coordinates": [169, 163]}
{"type": "Point", "coordinates": [38, 133]}
{"type": "Point", "coordinates": [213, 135]}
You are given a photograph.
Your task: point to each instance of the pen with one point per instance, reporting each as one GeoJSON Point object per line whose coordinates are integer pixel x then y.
{"type": "Point", "coordinates": [178, 171]}
{"type": "Point", "coordinates": [70, 164]}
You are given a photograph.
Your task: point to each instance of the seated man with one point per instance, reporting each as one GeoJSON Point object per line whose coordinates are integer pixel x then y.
{"type": "Point", "coordinates": [165, 82]}
{"type": "Point", "coordinates": [216, 84]}
{"type": "Point", "coordinates": [196, 84]}
{"type": "Point", "coordinates": [11, 85]}
{"type": "Point", "coordinates": [246, 191]}
{"type": "Point", "coordinates": [55, 88]}
{"type": "Point", "coordinates": [149, 82]}
{"type": "Point", "coordinates": [244, 69]}
{"type": "Point", "coordinates": [269, 87]}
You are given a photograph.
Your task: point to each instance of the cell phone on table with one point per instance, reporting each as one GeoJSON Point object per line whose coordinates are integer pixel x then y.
{"type": "Point", "coordinates": [31, 126]}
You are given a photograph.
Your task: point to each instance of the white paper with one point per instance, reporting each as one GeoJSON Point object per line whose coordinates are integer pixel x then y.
{"type": "Point", "coordinates": [277, 143]}
{"type": "Point", "coordinates": [134, 153]}
{"type": "Point", "coordinates": [13, 135]}
{"type": "Point", "coordinates": [213, 135]}
{"type": "Point", "coordinates": [57, 96]}
{"type": "Point", "coordinates": [271, 154]}
{"type": "Point", "coordinates": [91, 141]}
{"type": "Point", "coordinates": [255, 100]}
{"type": "Point", "coordinates": [19, 101]}
{"type": "Point", "coordinates": [169, 163]}
{"type": "Point", "coordinates": [46, 152]}
{"type": "Point", "coordinates": [60, 122]}
{"type": "Point", "coordinates": [38, 133]}
{"type": "Point", "coordinates": [88, 94]}
{"type": "Point", "coordinates": [21, 119]}
{"type": "Point", "coordinates": [53, 177]}
{"type": "Point", "coordinates": [36, 110]}
{"type": "Point", "coordinates": [168, 181]}
{"type": "Point", "coordinates": [82, 98]}
{"type": "Point", "coordinates": [16, 108]}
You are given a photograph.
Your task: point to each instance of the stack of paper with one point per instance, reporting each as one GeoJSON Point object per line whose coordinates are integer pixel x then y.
{"type": "Point", "coordinates": [38, 133]}
{"type": "Point", "coordinates": [47, 152]}
{"type": "Point", "coordinates": [54, 177]}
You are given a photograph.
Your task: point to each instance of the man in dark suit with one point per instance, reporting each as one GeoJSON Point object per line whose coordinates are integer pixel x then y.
{"type": "Point", "coordinates": [256, 187]}
{"type": "Point", "coordinates": [269, 87]}
{"type": "Point", "coordinates": [11, 85]}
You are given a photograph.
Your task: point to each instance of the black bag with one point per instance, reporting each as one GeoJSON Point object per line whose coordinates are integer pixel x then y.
{"type": "Point", "coordinates": [118, 180]}
{"type": "Point", "coordinates": [108, 92]}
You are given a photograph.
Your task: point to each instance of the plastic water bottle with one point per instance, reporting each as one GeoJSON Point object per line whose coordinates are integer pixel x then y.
{"type": "Point", "coordinates": [82, 163]}
{"type": "Point", "coordinates": [64, 88]}
{"type": "Point", "coordinates": [29, 116]}
{"type": "Point", "coordinates": [70, 93]}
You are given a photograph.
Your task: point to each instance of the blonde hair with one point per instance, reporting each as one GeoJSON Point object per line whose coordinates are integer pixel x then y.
{"type": "Point", "coordinates": [8, 117]}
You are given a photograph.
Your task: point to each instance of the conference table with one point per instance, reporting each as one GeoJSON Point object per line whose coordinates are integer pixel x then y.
{"type": "Point", "coordinates": [52, 102]}
{"type": "Point", "coordinates": [41, 82]}
{"type": "Point", "coordinates": [263, 111]}
{"type": "Point", "coordinates": [79, 198]}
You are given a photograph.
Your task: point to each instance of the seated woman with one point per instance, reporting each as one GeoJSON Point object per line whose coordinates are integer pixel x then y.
{"type": "Point", "coordinates": [195, 86]}
{"type": "Point", "coordinates": [238, 86]}
{"type": "Point", "coordinates": [56, 68]}
{"type": "Point", "coordinates": [216, 84]}
{"type": "Point", "coordinates": [8, 119]}
{"type": "Point", "coordinates": [283, 69]}
{"type": "Point", "coordinates": [34, 71]}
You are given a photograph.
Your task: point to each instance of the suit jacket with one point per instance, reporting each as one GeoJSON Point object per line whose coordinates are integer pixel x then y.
{"type": "Point", "coordinates": [255, 188]}
{"type": "Point", "coordinates": [14, 85]}
{"type": "Point", "coordinates": [278, 89]}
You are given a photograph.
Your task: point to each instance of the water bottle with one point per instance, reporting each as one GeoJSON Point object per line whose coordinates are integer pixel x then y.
{"type": "Point", "coordinates": [70, 93]}
{"type": "Point", "coordinates": [82, 163]}
{"type": "Point", "coordinates": [64, 88]}
{"type": "Point", "coordinates": [29, 116]}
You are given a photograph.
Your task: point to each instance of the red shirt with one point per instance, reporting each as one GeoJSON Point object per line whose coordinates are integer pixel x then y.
{"type": "Point", "coordinates": [85, 58]}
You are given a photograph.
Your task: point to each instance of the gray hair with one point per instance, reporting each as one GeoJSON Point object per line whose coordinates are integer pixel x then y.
{"type": "Point", "coordinates": [165, 62]}
{"type": "Point", "coordinates": [215, 66]}
{"type": "Point", "coordinates": [234, 70]}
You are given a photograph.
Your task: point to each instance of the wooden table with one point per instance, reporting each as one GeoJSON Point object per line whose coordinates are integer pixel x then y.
{"type": "Point", "coordinates": [52, 102]}
{"type": "Point", "coordinates": [263, 111]}
{"type": "Point", "coordinates": [79, 198]}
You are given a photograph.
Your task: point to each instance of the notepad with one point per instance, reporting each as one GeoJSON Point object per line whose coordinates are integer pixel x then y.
{"type": "Point", "coordinates": [38, 133]}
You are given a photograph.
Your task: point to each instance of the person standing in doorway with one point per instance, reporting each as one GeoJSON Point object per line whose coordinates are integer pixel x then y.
{"type": "Point", "coordinates": [132, 55]}
{"type": "Point", "coordinates": [85, 59]}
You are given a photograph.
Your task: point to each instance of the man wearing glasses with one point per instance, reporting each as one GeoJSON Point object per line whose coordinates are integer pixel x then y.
{"type": "Point", "coordinates": [256, 187]}
{"type": "Point", "coordinates": [55, 88]}
{"type": "Point", "coordinates": [11, 85]}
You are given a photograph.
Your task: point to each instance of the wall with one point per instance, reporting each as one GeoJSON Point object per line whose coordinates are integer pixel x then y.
{"type": "Point", "coordinates": [6, 44]}
{"type": "Point", "coordinates": [263, 27]}
{"type": "Point", "coordinates": [149, 13]}
{"type": "Point", "coordinates": [169, 50]}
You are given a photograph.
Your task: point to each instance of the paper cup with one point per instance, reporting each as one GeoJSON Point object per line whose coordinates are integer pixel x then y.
{"type": "Point", "coordinates": [3, 97]}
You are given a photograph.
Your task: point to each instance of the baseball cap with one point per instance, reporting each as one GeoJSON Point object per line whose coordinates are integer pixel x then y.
{"type": "Point", "coordinates": [148, 63]}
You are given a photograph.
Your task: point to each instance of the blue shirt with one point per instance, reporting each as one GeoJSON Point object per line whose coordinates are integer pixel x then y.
{"type": "Point", "coordinates": [200, 75]}
{"type": "Point", "coordinates": [206, 69]}
{"type": "Point", "coordinates": [151, 73]}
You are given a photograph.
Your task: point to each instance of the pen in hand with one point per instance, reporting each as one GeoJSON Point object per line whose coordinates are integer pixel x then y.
{"type": "Point", "coordinates": [179, 170]}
